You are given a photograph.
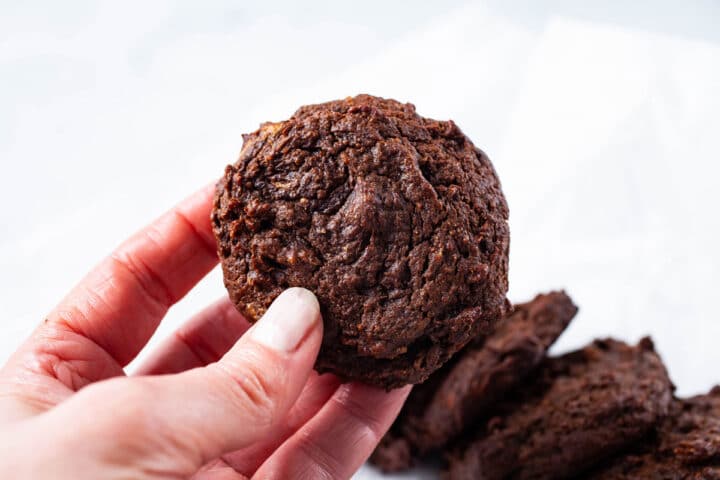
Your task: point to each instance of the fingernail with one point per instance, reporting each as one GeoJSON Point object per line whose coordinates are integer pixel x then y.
{"type": "Point", "coordinates": [288, 320]}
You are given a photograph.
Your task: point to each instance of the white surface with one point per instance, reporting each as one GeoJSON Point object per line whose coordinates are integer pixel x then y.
{"type": "Point", "coordinates": [602, 121]}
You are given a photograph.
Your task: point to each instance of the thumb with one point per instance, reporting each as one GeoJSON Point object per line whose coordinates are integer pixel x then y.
{"type": "Point", "coordinates": [195, 416]}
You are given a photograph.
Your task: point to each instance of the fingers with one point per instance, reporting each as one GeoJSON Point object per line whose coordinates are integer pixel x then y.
{"type": "Point", "coordinates": [204, 339]}
{"type": "Point", "coordinates": [182, 421]}
{"type": "Point", "coordinates": [120, 303]}
{"type": "Point", "coordinates": [61, 362]}
{"type": "Point", "coordinates": [110, 315]}
{"type": "Point", "coordinates": [218, 470]}
{"type": "Point", "coordinates": [49, 368]}
{"type": "Point", "coordinates": [339, 438]}
{"type": "Point", "coordinates": [317, 391]}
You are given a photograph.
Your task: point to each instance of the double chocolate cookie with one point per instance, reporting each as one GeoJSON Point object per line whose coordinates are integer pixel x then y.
{"type": "Point", "coordinates": [583, 407]}
{"type": "Point", "coordinates": [396, 222]}
{"type": "Point", "coordinates": [686, 446]}
{"type": "Point", "coordinates": [455, 396]}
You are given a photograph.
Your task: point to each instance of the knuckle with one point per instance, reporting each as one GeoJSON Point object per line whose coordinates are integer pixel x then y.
{"type": "Point", "coordinates": [362, 414]}
{"type": "Point", "coordinates": [153, 286]}
{"type": "Point", "coordinates": [323, 464]}
{"type": "Point", "coordinates": [255, 390]}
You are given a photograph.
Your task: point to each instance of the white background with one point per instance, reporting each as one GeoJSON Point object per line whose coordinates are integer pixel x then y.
{"type": "Point", "coordinates": [601, 118]}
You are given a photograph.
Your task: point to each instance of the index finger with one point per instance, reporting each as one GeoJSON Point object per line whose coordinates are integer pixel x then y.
{"type": "Point", "coordinates": [120, 303]}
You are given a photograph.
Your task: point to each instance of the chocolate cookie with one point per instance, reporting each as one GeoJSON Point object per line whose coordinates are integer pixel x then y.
{"type": "Point", "coordinates": [583, 407]}
{"type": "Point", "coordinates": [396, 222]}
{"type": "Point", "coordinates": [393, 453]}
{"type": "Point", "coordinates": [460, 392]}
{"type": "Point", "coordinates": [686, 446]}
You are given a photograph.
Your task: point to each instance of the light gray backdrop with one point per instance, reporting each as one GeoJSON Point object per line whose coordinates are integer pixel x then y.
{"type": "Point", "coordinates": [601, 118]}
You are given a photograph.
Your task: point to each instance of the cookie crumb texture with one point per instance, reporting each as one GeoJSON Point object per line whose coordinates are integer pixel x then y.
{"type": "Point", "coordinates": [582, 408]}
{"type": "Point", "coordinates": [396, 222]}
{"type": "Point", "coordinates": [483, 373]}
{"type": "Point", "coordinates": [685, 447]}
{"type": "Point", "coordinates": [456, 396]}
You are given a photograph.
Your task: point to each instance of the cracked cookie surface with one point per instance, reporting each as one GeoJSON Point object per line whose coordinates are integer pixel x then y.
{"type": "Point", "coordinates": [396, 222]}
{"type": "Point", "coordinates": [582, 408]}
{"type": "Point", "coordinates": [479, 376]}
{"type": "Point", "coordinates": [685, 447]}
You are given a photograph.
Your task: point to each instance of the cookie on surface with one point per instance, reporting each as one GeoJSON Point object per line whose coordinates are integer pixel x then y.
{"type": "Point", "coordinates": [583, 407]}
{"type": "Point", "coordinates": [455, 396]}
{"type": "Point", "coordinates": [393, 453]}
{"type": "Point", "coordinates": [396, 222]}
{"type": "Point", "coordinates": [685, 447]}
{"type": "Point", "coordinates": [483, 374]}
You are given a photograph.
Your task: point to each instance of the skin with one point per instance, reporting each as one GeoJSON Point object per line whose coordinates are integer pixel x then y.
{"type": "Point", "coordinates": [218, 400]}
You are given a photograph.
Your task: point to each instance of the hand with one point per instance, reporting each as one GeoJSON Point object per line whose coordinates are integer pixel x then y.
{"type": "Point", "coordinates": [218, 400]}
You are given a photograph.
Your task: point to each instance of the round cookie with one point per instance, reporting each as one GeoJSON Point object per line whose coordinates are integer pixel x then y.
{"type": "Point", "coordinates": [396, 222]}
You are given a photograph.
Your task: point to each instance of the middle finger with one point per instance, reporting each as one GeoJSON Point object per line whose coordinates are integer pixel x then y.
{"type": "Point", "coordinates": [204, 339]}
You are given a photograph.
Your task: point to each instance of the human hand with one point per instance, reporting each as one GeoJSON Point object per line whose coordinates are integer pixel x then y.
{"type": "Point", "coordinates": [218, 400]}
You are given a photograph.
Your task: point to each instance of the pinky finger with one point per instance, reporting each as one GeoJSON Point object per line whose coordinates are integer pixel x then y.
{"type": "Point", "coordinates": [338, 440]}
